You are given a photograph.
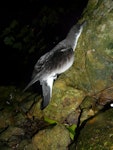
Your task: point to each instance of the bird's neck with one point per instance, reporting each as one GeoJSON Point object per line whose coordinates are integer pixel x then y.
{"type": "Point", "coordinates": [72, 38]}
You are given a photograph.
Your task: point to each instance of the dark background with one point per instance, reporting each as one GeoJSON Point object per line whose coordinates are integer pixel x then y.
{"type": "Point", "coordinates": [28, 29]}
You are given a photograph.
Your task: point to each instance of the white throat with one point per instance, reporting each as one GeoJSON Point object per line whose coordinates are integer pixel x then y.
{"type": "Point", "coordinates": [76, 39]}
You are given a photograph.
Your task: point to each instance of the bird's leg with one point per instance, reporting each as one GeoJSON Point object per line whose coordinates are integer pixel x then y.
{"type": "Point", "coordinates": [55, 77]}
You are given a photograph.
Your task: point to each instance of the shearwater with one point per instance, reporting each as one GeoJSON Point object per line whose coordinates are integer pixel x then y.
{"type": "Point", "coordinates": [55, 62]}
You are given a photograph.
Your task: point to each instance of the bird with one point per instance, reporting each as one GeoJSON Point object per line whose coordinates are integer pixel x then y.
{"type": "Point", "coordinates": [55, 62]}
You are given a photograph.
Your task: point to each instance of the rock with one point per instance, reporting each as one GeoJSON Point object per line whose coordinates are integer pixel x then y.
{"type": "Point", "coordinates": [98, 133]}
{"type": "Point", "coordinates": [54, 138]}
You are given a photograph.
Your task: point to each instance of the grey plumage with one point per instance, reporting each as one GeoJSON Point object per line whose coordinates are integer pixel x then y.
{"type": "Point", "coordinates": [46, 94]}
{"type": "Point", "coordinates": [55, 62]}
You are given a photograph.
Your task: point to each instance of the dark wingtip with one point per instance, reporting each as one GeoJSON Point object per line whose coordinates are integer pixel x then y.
{"type": "Point", "coordinates": [30, 83]}
{"type": "Point", "coordinates": [26, 88]}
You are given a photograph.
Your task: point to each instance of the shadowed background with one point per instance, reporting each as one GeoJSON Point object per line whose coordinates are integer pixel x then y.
{"type": "Point", "coordinates": [28, 29]}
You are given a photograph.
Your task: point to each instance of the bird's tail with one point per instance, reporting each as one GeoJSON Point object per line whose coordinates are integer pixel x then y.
{"type": "Point", "coordinates": [46, 95]}
{"type": "Point", "coordinates": [47, 92]}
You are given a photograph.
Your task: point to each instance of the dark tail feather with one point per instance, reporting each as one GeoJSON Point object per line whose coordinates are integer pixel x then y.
{"type": "Point", "coordinates": [46, 95]}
